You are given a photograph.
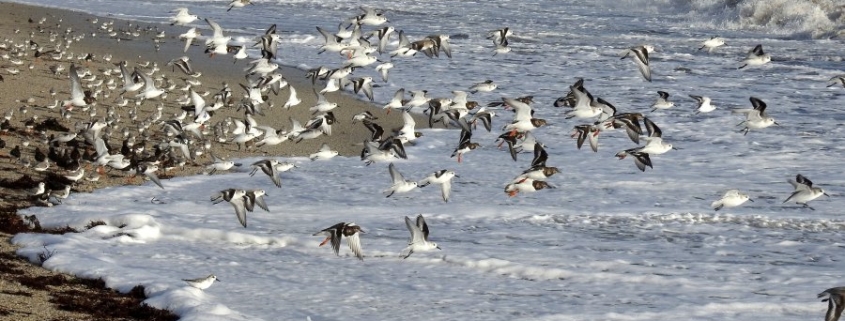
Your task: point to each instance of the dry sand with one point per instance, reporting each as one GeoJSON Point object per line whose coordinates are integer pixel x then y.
{"type": "Point", "coordinates": [31, 87]}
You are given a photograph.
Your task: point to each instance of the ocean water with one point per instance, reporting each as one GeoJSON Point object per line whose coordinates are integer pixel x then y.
{"type": "Point", "coordinates": [609, 243]}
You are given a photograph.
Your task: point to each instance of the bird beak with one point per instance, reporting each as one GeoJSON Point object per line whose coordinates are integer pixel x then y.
{"type": "Point", "coordinates": [438, 247]}
{"type": "Point", "coordinates": [216, 279]}
{"type": "Point", "coordinates": [750, 200]}
{"type": "Point", "coordinates": [826, 194]}
{"type": "Point", "coordinates": [776, 123]}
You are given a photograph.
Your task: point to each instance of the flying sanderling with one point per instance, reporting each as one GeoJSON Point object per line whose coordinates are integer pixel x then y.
{"type": "Point", "coordinates": [442, 177]}
{"type": "Point", "coordinates": [732, 198]}
{"type": "Point", "coordinates": [804, 191]}
{"type": "Point", "coordinates": [419, 237]}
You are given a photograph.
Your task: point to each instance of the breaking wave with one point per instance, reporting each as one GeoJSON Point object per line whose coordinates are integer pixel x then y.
{"type": "Point", "coordinates": [816, 19]}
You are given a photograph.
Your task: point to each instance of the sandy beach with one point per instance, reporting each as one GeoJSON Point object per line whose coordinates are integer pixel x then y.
{"type": "Point", "coordinates": [26, 96]}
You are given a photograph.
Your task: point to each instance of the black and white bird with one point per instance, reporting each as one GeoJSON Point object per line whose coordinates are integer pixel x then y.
{"type": "Point", "coordinates": [835, 298]}
{"type": "Point", "coordinates": [442, 177]}
{"type": "Point", "coordinates": [804, 191]}
{"type": "Point", "coordinates": [350, 231]}
{"type": "Point", "coordinates": [268, 166]}
{"type": "Point", "coordinates": [418, 242]}
{"type": "Point", "coordinates": [236, 198]}
{"type": "Point", "coordinates": [640, 56]}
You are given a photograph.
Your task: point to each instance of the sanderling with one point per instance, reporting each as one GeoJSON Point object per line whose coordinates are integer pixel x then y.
{"type": "Point", "coordinates": [384, 150]}
{"type": "Point", "coordinates": [712, 43]}
{"type": "Point", "coordinates": [444, 178]}
{"type": "Point", "coordinates": [397, 102]}
{"type": "Point", "coordinates": [364, 84]}
{"type": "Point", "coordinates": [364, 115]}
{"type": "Point", "coordinates": [502, 46]}
{"type": "Point", "coordinates": [732, 198]}
{"type": "Point", "coordinates": [370, 17]}
{"type": "Point", "coordinates": [383, 35]}
{"type": "Point", "coordinates": [236, 198]}
{"type": "Point", "coordinates": [331, 43]}
{"type": "Point", "coordinates": [835, 298]}
{"type": "Point", "coordinates": [704, 105]}
{"type": "Point", "coordinates": [585, 106]}
{"type": "Point", "coordinates": [756, 57]}
{"type": "Point", "coordinates": [189, 37]}
{"type": "Point", "coordinates": [384, 69]}
{"type": "Point", "coordinates": [293, 99]}
{"type": "Point", "coordinates": [219, 164]}
{"type": "Point", "coordinates": [268, 166]}
{"type": "Point", "coordinates": [239, 4]}
{"type": "Point", "coordinates": [804, 191]}
{"type": "Point", "coordinates": [485, 86]}
{"type": "Point", "coordinates": [38, 189]}
{"type": "Point", "coordinates": [662, 101]}
{"type": "Point", "coordinates": [399, 183]}
{"type": "Point", "coordinates": [202, 283]}
{"type": "Point", "coordinates": [640, 57]}
{"type": "Point", "coordinates": [340, 230]}
{"type": "Point", "coordinates": [755, 118]}
{"type": "Point", "coordinates": [324, 153]}
{"type": "Point", "coordinates": [78, 98]}
{"type": "Point", "coordinates": [838, 79]}
{"type": "Point", "coordinates": [217, 43]}
{"type": "Point", "coordinates": [182, 17]}
{"type": "Point", "coordinates": [654, 143]}
{"type": "Point", "coordinates": [255, 197]}
{"type": "Point", "coordinates": [419, 237]}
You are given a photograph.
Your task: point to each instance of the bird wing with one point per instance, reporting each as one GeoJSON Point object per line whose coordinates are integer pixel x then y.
{"type": "Point", "coordinates": [218, 32]}
{"type": "Point", "coordinates": [354, 243]}
{"type": "Point", "coordinates": [76, 92]}
{"type": "Point", "coordinates": [445, 191]}
{"type": "Point", "coordinates": [395, 175]}
{"type": "Point", "coordinates": [240, 209]}
{"type": "Point", "coordinates": [417, 235]}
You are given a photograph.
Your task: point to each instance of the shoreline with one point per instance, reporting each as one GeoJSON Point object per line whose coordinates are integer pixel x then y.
{"type": "Point", "coordinates": [31, 87]}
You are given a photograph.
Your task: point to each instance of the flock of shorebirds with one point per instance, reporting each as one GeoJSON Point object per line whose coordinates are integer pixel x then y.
{"type": "Point", "coordinates": [178, 137]}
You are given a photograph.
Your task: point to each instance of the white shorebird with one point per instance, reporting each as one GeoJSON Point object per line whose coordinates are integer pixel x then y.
{"type": "Point", "coordinates": [400, 184]}
{"type": "Point", "coordinates": [804, 191]}
{"type": "Point", "coordinates": [732, 198]}
{"type": "Point", "coordinates": [236, 198]}
{"type": "Point", "coordinates": [662, 101]}
{"type": "Point", "coordinates": [418, 242]}
{"type": "Point", "coordinates": [755, 118]}
{"type": "Point", "coordinates": [77, 96]}
{"type": "Point", "coordinates": [238, 4]}
{"type": "Point", "coordinates": [442, 177]}
{"type": "Point", "coordinates": [217, 43]}
{"type": "Point", "coordinates": [267, 166]}
{"type": "Point", "coordinates": [704, 105]}
{"type": "Point", "coordinates": [712, 43]}
{"type": "Point", "coordinates": [189, 37]}
{"type": "Point", "coordinates": [756, 57]}
{"type": "Point", "coordinates": [182, 17]}
{"type": "Point", "coordinates": [202, 283]}
{"type": "Point", "coordinates": [640, 57]}
{"type": "Point", "coordinates": [324, 153]}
